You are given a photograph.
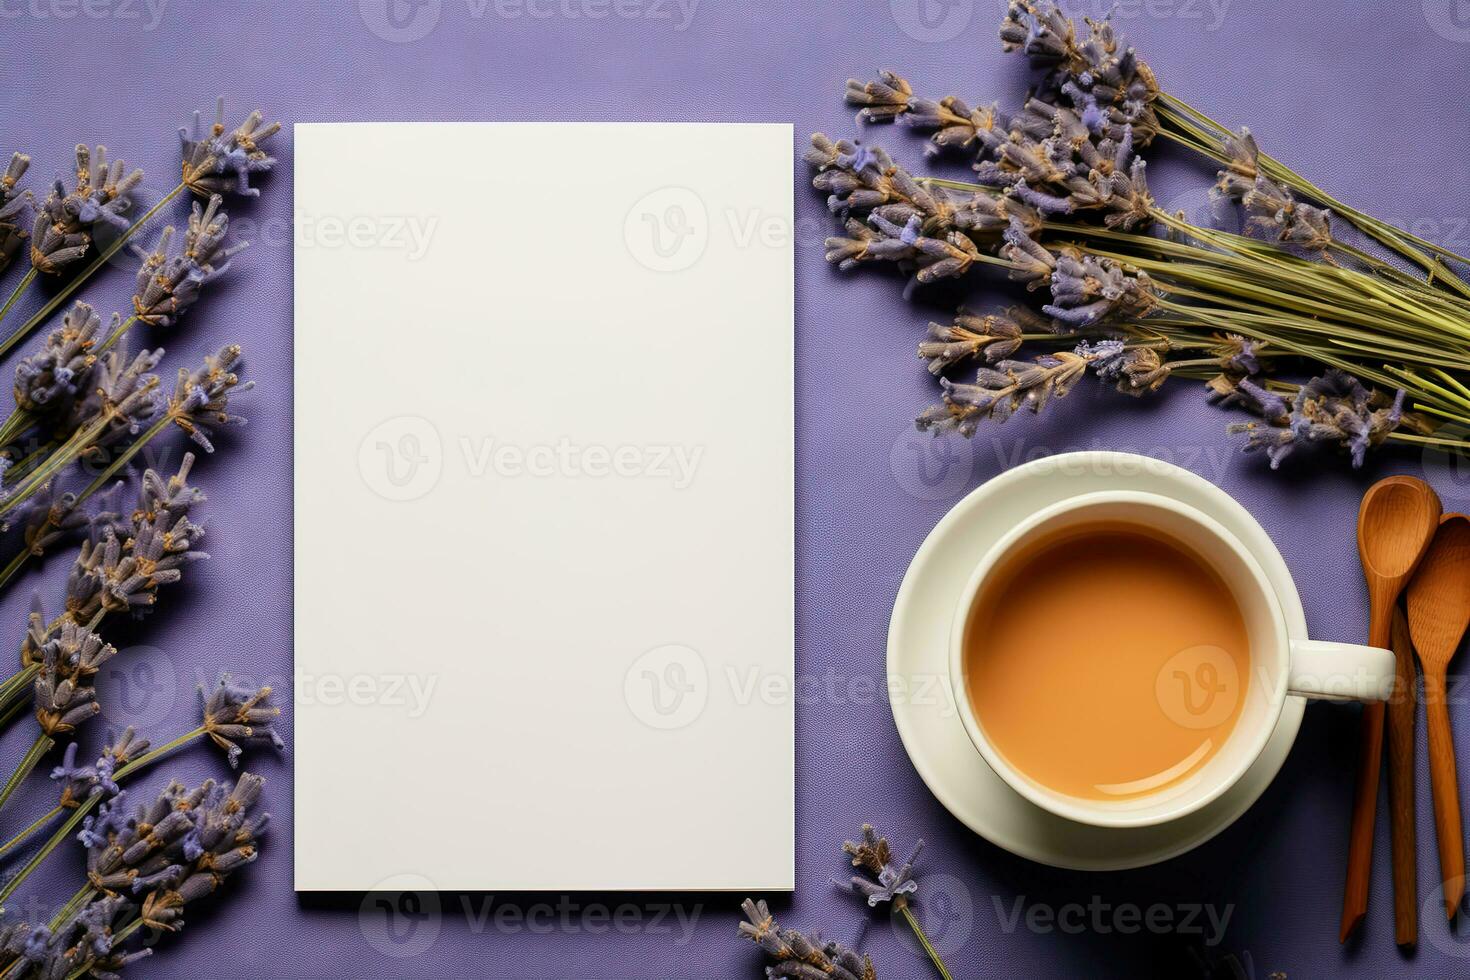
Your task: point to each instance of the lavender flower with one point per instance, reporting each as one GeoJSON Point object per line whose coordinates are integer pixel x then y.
{"type": "Point", "coordinates": [120, 750]}
{"type": "Point", "coordinates": [47, 517]}
{"type": "Point", "coordinates": [881, 101]}
{"type": "Point", "coordinates": [63, 230]}
{"type": "Point", "coordinates": [64, 695]}
{"type": "Point", "coordinates": [217, 161]}
{"type": "Point", "coordinates": [78, 783]}
{"type": "Point", "coordinates": [201, 398]}
{"type": "Point", "coordinates": [169, 283]}
{"type": "Point", "coordinates": [82, 946]}
{"type": "Point", "coordinates": [123, 395]}
{"type": "Point", "coordinates": [223, 839]}
{"type": "Point", "coordinates": [997, 336]}
{"type": "Point", "coordinates": [13, 202]}
{"type": "Point", "coordinates": [1000, 391]}
{"type": "Point", "coordinates": [131, 855]}
{"type": "Point", "coordinates": [1270, 207]}
{"type": "Point", "coordinates": [236, 716]}
{"type": "Point", "coordinates": [1134, 370]}
{"type": "Point", "coordinates": [81, 783]}
{"type": "Point", "coordinates": [885, 881]}
{"type": "Point", "coordinates": [1087, 290]}
{"type": "Point", "coordinates": [1101, 74]}
{"type": "Point", "coordinates": [1334, 408]}
{"type": "Point", "coordinates": [125, 567]}
{"type": "Point", "coordinates": [799, 956]}
{"type": "Point", "coordinates": [47, 382]}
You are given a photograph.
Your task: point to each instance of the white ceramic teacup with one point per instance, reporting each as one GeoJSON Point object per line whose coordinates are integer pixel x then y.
{"type": "Point", "coordinates": [1279, 665]}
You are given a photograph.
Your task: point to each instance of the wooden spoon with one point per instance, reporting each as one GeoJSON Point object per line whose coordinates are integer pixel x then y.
{"type": "Point", "coordinates": [1396, 520]}
{"type": "Point", "coordinates": [1401, 780]}
{"type": "Point", "coordinates": [1439, 610]}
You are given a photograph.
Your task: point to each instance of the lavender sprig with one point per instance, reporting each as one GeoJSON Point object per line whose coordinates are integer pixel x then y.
{"type": "Point", "coordinates": [220, 161]}
{"type": "Point", "coordinates": [236, 716]}
{"type": "Point", "coordinates": [1061, 203]}
{"type": "Point", "coordinates": [1334, 409]}
{"type": "Point", "coordinates": [801, 956]}
{"type": "Point", "coordinates": [885, 881]}
{"type": "Point", "coordinates": [63, 231]}
{"type": "Point", "coordinates": [125, 756]}
{"type": "Point", "coordinates": [214, 162]}
{"type": "Point", "coordinates": [169, 282]}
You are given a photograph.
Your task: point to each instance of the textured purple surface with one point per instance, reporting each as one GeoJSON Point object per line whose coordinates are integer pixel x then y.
{"type": "Point", "coordinates": [1352, 93]}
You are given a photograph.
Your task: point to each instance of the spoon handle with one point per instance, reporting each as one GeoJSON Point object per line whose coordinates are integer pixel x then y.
{"type": "Point", "coordinates": [1445, 785]}
{"type": "Point", "coordinates": [1365, 791]}
{"type": "Point", "coordinates": [1401, 785]}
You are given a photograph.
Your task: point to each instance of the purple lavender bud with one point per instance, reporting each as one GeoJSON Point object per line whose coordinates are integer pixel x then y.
{"type": "Point", "coordinates": [63, 229]}
{"type": "Point", "coordinates": [217, 161]}
{"type": "Point", "coordinates": [235, 717]}
{"type": "Point", "coordinates": [885, 880]}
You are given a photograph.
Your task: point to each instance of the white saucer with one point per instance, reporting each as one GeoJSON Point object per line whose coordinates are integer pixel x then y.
{"type": "Point", "coordinates": [918, 664]}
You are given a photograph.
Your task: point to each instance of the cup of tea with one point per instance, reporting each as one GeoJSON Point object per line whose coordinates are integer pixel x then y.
{"type": "Point", "coordinates": [1120, 659]}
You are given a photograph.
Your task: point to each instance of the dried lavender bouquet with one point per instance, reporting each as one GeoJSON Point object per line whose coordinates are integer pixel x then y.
{"type": "Point", "coordinates": [1321, 340]}
{"type": "Point", "coordinates": [82, 399]}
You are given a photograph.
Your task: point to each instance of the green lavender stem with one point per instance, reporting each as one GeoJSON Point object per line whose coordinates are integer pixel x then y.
{"type": "Point", "coordinates": [76, 281]}
{"type": "Point", "coordinates": [19, 290]}
{"type": "Point", "coordinates": [903, 907]}
{"type": "Point", "coordinates": [1199, 132]}
{"type": "Point", "coordinates": [87, 806]}
{"type": "Point", "coordinates": [36, 825]}
{"type": "Point", "coordinates": [60, 835]}
{"type": "Point", "coordinates": [28, 762]}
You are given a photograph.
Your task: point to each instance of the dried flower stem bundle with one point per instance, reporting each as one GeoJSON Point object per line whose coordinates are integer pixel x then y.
{"type": "Point", "coordinates": [1061, 202]}
{"type": "Point", "coordinates": [143, 870]}
{"type": "Point", "coordinates": [233, 717]}
{"type": "Point", "coordinates": [215, 161]}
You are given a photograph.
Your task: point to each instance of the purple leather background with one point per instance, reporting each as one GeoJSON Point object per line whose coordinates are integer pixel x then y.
{"type": "Point", "coordinates": [1368, 98]}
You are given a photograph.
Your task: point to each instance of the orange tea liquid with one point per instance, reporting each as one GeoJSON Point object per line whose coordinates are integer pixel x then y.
{"type": "Point", "coordinates": [1106, 662]}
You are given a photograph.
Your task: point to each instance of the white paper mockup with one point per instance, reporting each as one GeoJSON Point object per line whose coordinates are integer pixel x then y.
{"type": "Point", "coordinates": [544, 507]}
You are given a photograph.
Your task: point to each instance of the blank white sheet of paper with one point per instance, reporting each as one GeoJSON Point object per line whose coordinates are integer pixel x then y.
{"type": "Point", "coordinates": [544, 507]}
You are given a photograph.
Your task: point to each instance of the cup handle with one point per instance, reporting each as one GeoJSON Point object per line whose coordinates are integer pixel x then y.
{"type": "Point", "coordinates": [1340, 671]}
